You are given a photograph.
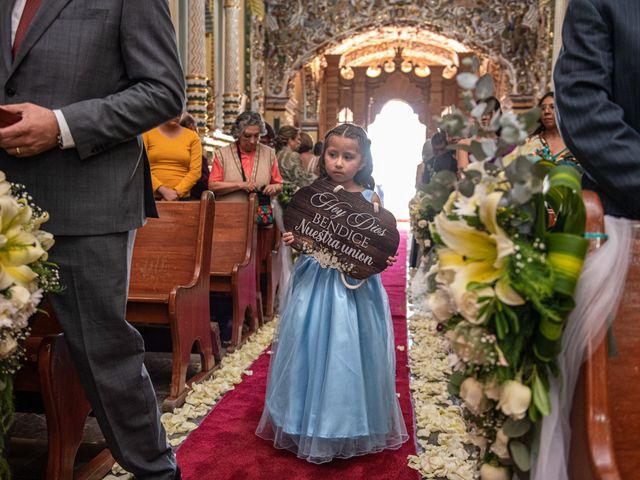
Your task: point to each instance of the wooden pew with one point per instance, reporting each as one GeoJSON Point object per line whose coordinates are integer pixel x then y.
{"type": "Point", "coordinates": [49, 373]}
{"type": "Point", "coordinates": [605, 418]}
{"type": "Point", "coordinates": [170, 286]}
{"type": "Point", "coordinates": [269, 268]}
{"type": "Point", "coordinates": [233, 263]}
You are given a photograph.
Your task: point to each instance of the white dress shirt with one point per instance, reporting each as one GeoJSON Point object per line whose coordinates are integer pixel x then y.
{"type": "Point", "coordinates": [65, 133]}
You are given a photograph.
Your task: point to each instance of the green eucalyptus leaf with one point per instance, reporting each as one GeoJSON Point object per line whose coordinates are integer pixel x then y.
{"type": "Point", "coordinates": [516, 428]}
{"type": "Point", "coordinates": [520, 455]}
{"type": "Point", "coordinates": [540, 395]}
{"type": "Point", "coordinates": [467, 81]}
{"type": "Point", "coordinates": [466, 187]}
{"type": "Point", "coordinates": [478, 151]}
{"type": "Point", "coordinates": [530, 119]}
{"type": "Point", "coordinates": [484, 88]}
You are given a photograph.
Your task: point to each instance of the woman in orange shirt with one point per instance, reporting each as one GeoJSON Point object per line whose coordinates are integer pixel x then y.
{"type": "Point", "coordinates": [175, 156]}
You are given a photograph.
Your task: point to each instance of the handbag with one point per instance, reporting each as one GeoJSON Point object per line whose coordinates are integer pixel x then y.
{"type": "Point", "coordinates": [265, 211]}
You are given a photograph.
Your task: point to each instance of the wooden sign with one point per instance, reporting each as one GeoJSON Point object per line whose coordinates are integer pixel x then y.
{"type": "Point", "coordinates": [341, 229]}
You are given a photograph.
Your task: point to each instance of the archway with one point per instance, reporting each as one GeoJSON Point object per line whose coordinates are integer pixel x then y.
{"type": "Point", "coordinates": [397, 136]}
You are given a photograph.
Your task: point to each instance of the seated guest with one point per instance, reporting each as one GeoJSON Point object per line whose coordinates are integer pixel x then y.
{"type": "Point", "coordinates": [175, 157]}
{"type": "Point", "coordinates": [187, 121]}
{"type": "Point", "coordinates": [246, 165]}
{"type": "Point", "coordinates": [546, 143]}
{"type": "Point", "coordinates": [308, 159]}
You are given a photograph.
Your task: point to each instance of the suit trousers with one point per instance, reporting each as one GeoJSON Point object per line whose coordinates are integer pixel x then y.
{"type": "Point", "coordinates": [108, 352]}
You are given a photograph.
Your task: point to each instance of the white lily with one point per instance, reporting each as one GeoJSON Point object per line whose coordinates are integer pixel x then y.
{"type": "Point", "coordinates": [474, 255]}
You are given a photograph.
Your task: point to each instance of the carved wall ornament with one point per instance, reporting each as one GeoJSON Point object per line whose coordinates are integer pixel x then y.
{"type": "Point", "coordinates": [514, 34]}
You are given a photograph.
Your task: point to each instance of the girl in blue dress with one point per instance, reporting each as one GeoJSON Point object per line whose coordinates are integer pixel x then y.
{"type": "Point", "coordinates": [331, 391]}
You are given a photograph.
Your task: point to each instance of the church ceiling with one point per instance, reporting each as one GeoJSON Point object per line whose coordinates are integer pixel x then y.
{"type": "Point", "coordinates": [514, 33]}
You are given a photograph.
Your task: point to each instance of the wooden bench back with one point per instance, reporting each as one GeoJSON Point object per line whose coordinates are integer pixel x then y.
{"type": "Point", "coordinates": [168, 250]}
{"type": "Point", "coordinates": [233, 234]}
{"type": "Point", "coordinates": [605, 418]}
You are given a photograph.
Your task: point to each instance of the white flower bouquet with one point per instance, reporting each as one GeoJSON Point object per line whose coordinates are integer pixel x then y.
{"type": "Point", "coordinates": [25, 275]}
{"type": "Point", "coordinates": [504, 275]}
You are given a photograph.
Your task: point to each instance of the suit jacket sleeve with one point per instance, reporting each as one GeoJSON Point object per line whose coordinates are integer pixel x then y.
{"type": "Point", "coordinates": [592, 125]}
{"type": "Point", "coordinates": [156, 90]}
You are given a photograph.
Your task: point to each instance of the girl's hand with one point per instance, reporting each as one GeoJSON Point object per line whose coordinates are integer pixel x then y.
{"type": "Point", "coordinates": [391, 261]}
{"type": "Point", "coordinates": [287, 238]}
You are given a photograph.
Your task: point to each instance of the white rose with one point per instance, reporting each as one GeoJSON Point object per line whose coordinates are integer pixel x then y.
{"type": "Point", "coordinates": [489, 472]}
{"type": "Point", "coordinates": [8, 346]}
{"type": "Point", "coordinates": [441, 304]}
{"type": "Point", "coordinates": [501, 446]}
{"type": "Point", "coordinates": [492, 390]}
{"type": "Point", "coordinates": [479, 441]}
{"type": "Point", "coordinates": [473, 396]}
{"type": "Point", "coordinates": [19, 295]}
{"type": "Point", "coordinates": [423, 223]}
{"type": "Point", "coordinates": [514, 399]}
{"type": "Point", "coordinates": [469, 304]}
{"type": "Point", "coordinates": [459, 344]}
{"type": "Point", "coordinates": [445, 277]}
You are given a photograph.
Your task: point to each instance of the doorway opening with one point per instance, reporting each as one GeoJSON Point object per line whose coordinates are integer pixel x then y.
{"type": "Point", "coordinates": [397, 137]}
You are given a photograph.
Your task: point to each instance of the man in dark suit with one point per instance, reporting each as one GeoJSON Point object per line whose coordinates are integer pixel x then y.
{"type": "Point", "coordinates": [87, 77]}
{"type": "Point", "coordinates": [598, 100]}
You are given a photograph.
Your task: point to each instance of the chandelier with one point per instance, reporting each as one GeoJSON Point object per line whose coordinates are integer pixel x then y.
{"type": "Point", "coordinates": [389, 66]}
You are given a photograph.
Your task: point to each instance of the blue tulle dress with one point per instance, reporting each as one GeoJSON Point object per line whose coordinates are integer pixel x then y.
{"type": "Point", "coordinates": [331, 391]}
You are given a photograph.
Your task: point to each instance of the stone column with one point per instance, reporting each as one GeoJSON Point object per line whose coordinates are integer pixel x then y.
{"type": "Point", "coordinates": [561, 8]}
{"type": "Point", "coordinates": [232, 92]}
{"type": "Point", "coordinates": [196, 69]}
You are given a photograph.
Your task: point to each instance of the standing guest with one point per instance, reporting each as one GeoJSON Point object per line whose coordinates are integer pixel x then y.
{"type": "Point", "coordinates": [308, 159]}
{"type": "Point", "coordinates": [175, 156]}
{"type": "Point", "coordinates": [545, 143]}
{"type": "Point", "coordinates": [492, 109]}
{"type": "Point", "coordinates": [599, 117]}
{"type": "Point", "coordinates": [246, 165]}
{"type": "Point", "coordinates": [268, 138]}
{"type": "Point", "coordinates": [431, 151]}
{"type": "Point", "coordinates": [598, 108]}
{"type": "Point", "coordinates": [187, 121]}
{"type": "Point", "coordinates": [331, 391]}
{"type": "Point", "coordinates": [287, 142]}
{"type": "Point", "coordinates": [77, 149]}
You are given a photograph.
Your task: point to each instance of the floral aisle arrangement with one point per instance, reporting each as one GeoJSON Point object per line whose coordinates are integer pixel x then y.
{"type": "Point", "coordinates": [25, 275]}
{"type": "Point", "coordinates": [504, 274]}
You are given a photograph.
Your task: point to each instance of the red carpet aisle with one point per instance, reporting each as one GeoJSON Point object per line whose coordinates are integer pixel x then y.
{"type": "Point", "coordinates": [224, 447]}
{"type": "Point", "coordinates": [395, 279]}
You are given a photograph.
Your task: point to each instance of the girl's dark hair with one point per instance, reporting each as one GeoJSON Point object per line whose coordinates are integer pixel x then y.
{"type": "Point", "coordinates": [541, 128]}
{"type": "Point", "coordinates": [357, 133]}
{"type": "Point", "coordinates": [493, 105]}
{"type": "Point", "coordinates": [317, 149]}
{"type": "Point", "coordinates": [285, 134]}
{"type": "Point", "coordinates": [306, 143]}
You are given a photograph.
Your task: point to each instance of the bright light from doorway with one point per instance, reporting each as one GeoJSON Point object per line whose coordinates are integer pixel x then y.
{"type": "Point", "coordinates": [397, 137]}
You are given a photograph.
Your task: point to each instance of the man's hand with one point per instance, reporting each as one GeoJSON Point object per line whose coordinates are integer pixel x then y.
{"type": "Point", "coordinates": [168, 194]}
{"type": "Point", "coordinates": [392, 260]}
{"type": "Point", "coordinates": [37, 132]}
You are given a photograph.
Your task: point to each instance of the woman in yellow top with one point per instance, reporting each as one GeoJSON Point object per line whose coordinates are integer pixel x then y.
{"type": "Point", "coordinates": [175, 156]}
